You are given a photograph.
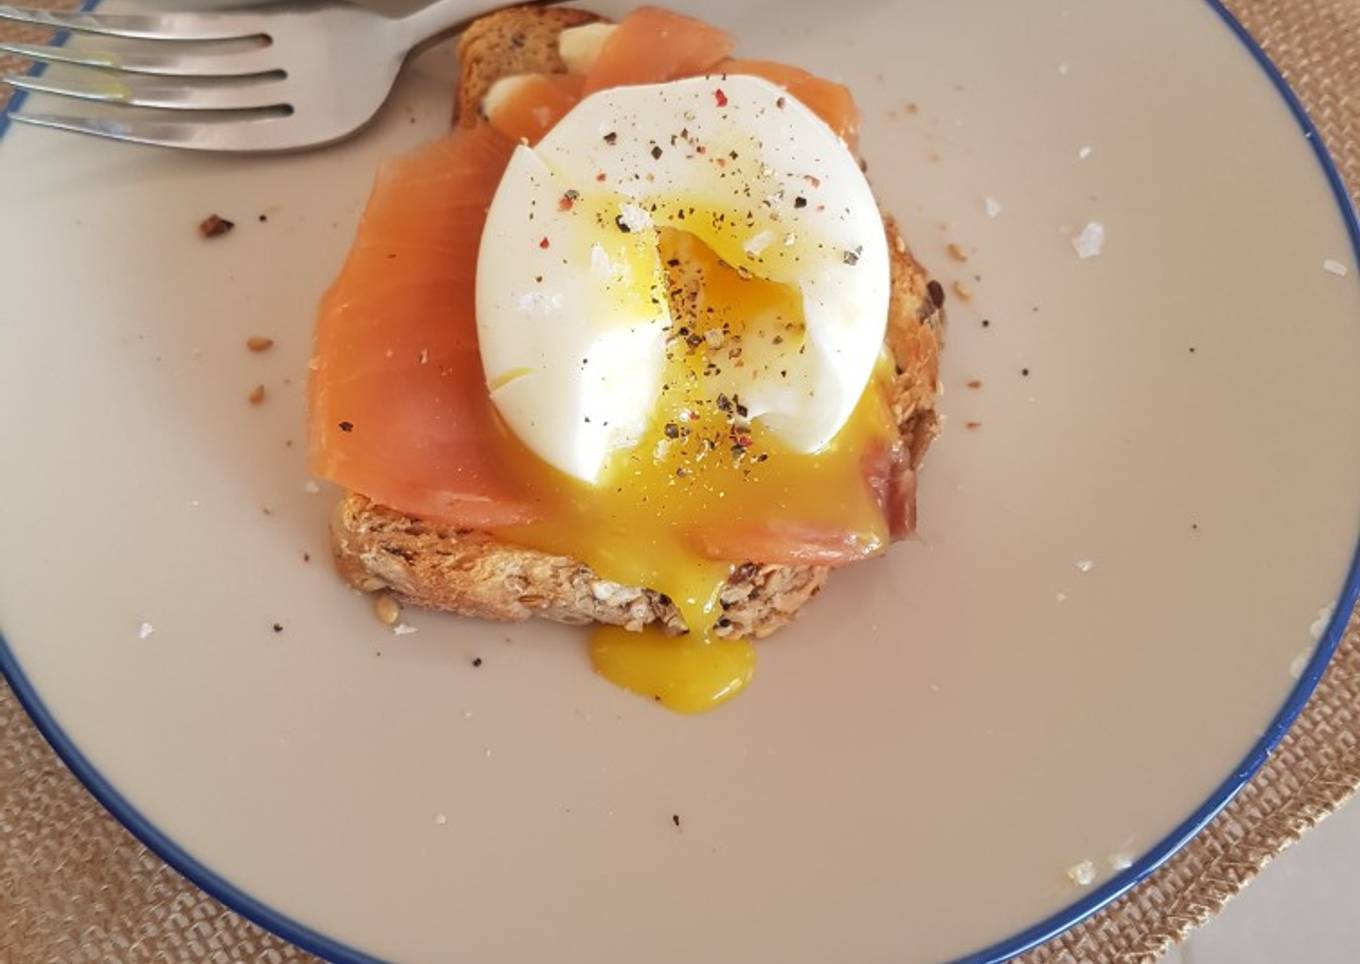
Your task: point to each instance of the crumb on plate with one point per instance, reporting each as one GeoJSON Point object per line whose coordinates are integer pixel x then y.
{"type": "Point", "coordinates": [214, 226]}
{"type": "Point", "coordinates": [386, 608]}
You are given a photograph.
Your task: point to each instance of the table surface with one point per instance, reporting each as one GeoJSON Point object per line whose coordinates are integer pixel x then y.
{"type": "Point", "coordinates": [1302, 910]}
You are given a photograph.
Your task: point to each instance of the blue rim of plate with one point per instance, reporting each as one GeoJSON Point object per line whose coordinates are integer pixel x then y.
{"type": "Point", "coordinates": [330, 949]}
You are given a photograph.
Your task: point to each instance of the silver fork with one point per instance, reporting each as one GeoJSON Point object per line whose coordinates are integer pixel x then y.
{"type": "Point", "coordinates": [299, 74]}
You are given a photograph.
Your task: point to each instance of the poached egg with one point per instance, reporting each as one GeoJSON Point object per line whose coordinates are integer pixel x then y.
{"type": "Point", "coordinates": [682, 293]}
{"type": "Point", "coordinates": [573, 313]}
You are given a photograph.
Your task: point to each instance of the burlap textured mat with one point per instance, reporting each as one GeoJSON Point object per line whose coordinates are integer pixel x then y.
{"type": "Point", "coordinates": [76, 886]}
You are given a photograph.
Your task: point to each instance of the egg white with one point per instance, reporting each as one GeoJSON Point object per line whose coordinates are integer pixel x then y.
{"type": "Point", "coordinates": [572, 316]}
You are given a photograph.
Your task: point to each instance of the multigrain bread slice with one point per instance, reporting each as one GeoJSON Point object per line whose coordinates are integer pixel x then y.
{"type": "Point", "coordinates": [475, 574]}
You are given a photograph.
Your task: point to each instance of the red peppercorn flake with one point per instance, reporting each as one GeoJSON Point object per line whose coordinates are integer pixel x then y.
{"type": "Point", "coordinates": [720, 97]}
{"type": "Point", "coordinates": [543, 244]}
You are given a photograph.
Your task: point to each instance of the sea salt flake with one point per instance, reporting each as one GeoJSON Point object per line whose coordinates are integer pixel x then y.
{"type": "Point", "coordinates": [403, 629]}
{"type": "Point", "coordinates": [1319, 626]}
{"type": "Point", "coordinates": [1085, 565]}
{"type": "Point", "coordinates": [1119, 861]}
{"type": "Point", "coordinates": [992, 206]}
{"type": "Point", "coordinates": [757, 243]}
{"type": "Point", "coordinates": [440, 819]}
{"type": "Point", "coordinates": [1082, 874]}
{"type": "Point", "coordinates": [1089, 243]}
{"type": "Point", "coordinates": [311, 487]}
{"type": "Point", "coordinates": [1062, 597]}
{"type": "Point", "coordinates": [145, 630]}
{"type": "Point", "coordinates": [539, 302]}
{"type": "Point", "coordinates": [634, 218]}
{"type": "Point", "coordinates": [1335, 267]}
{"type": "Point", "coordinates": [1063, 69]}
{"type": "Point", "coordinates": [1085, 152]}
{"type": "Point", "coordinates": [1300, 663]}
{"type": "Point", "coordinates": [600, 263]}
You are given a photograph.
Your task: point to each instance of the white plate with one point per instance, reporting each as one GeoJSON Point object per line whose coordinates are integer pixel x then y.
{"type": "Point", "coordinates": [941, 736]}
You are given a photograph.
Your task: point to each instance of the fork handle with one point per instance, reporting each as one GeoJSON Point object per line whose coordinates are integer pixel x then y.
{"type": "Point", "coordinates": [440, 18]}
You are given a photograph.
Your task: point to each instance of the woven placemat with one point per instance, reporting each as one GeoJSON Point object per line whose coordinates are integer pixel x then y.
{"type": "Point", "coordinates": [76, 886]}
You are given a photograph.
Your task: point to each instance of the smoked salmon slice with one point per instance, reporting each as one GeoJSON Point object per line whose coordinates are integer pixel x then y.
{"type": "Point", "coordinates": [830, 101]}
{"type": "Point", "coordinates": [652, 45]}
{"type": "Point", "coordinates": [399, 407]}
{"type": "Point", "coordinates": [533, 103]}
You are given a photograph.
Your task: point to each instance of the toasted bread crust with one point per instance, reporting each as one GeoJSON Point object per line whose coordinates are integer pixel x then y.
{"type": "Point", "coordinates": [518, 40]}
{"type": "Point", "coordinates": [475, 574]}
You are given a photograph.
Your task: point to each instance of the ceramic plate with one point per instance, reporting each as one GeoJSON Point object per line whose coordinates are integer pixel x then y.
{"type": "Point", "coordinates": [1132, 533]}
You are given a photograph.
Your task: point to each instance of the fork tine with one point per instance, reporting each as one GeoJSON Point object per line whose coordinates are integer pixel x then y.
{"type": "Point", "coordinates": [193, 26]}
{"type": "Point", "coordinates": [267, 133]}
{"type": "Point", "coordinates": [139, 93]}
{"type": "Point", "coordinates": [241, 64]}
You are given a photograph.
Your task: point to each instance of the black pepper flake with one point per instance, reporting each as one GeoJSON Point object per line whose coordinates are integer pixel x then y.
{"type": "Point", "coordinates": [621, 224]}
{"type": "Point", "coordinates": [800, 202]}
{"type": "Point", "coordinates": [611, 138]}
{"type": "Point", "coordinates": [347, 426]}
{"type": "Point", "coordinates": [656, 152]}
{"type": "Point", "coordinates": [724, 403]}
{"type": "Point", "coordinates": [264, 218]}
{"type": "Point", "coordinates": [1192, 349]}
{"type": "Point", "coordinates": [214, 226]}
{"type": "Point", "coordinates": [477, 661]}
{"type": "Point", "coordinates": [672, 430]}
{"type": "Point", "coordinates": [986, 323]}
{"type": "Point", "coordinates": [1025, 372]}
{"type": "Point", "coordinates": [278, 627]}
{"type": "Point", "coordinates": [675, 818]}
{"type": "Point", "coordinates": [936, 292]}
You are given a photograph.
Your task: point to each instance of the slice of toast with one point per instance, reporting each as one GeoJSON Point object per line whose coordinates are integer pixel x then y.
{"type": "Point", "coordinates": [475, 574]}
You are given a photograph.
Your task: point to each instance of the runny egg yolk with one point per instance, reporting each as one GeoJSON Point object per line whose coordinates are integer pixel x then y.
{"type": "Point", "coordinates": [705, 490]}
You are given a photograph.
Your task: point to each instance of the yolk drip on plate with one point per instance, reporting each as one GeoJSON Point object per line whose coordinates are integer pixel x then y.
{"type": "Point", "coordinates": [705, 489]}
